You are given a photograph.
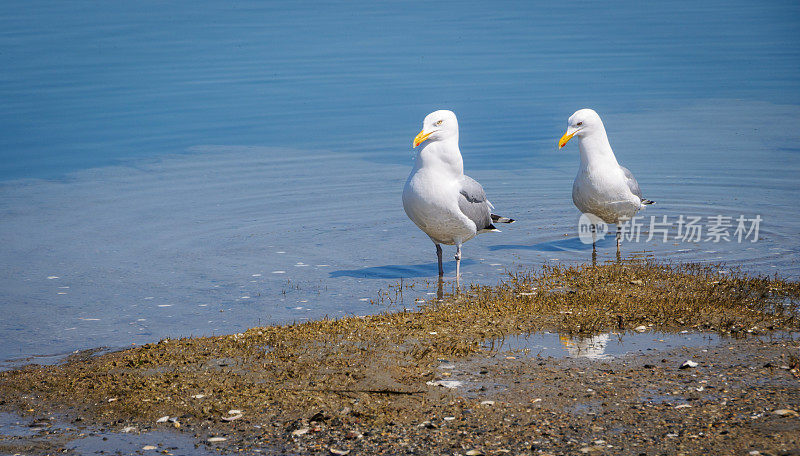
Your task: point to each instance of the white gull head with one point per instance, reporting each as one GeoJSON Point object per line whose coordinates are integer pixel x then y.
{"type": "Point", "coordinates": [439, 125]}
{"type": "Point", "coordinates": [585, 124]}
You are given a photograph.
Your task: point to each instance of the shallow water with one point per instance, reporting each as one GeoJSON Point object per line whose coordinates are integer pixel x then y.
{"type": "Point", "coordinates": [600, 346]}
{"type": "Point", "coordinates": [87, 441]}
{"type": "Point", "coordinates": [172, 170]}
{"type": "Point", "coordinates": [606, 346]}
{"type": "Point", "coordinates": [173, 443]}
{"type": "Point", "coordinates": [472, 376]}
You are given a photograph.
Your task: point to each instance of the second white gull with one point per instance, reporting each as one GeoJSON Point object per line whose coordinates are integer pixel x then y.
{"type": "Point", "coordinates": [603, 188]}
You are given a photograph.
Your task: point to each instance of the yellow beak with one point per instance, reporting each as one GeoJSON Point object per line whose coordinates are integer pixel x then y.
{"type": "Point", "coordinates": [565, 139]}
{"type": "Point", "coordinates": [421, 137]}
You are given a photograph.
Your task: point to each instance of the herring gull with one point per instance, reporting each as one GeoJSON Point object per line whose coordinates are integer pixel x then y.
{"type": "Point", "coordinates": [603, 188]}
{"type": "Point", "coordinates": [450, 207]}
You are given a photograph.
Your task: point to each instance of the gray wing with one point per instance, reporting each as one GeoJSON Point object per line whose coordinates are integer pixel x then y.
{"type": "Point", "coordinates": [473, 203]}
{"type": "Point", "coordinates": [631, 181]}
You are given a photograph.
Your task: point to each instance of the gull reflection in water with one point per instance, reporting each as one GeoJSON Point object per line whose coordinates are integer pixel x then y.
{"type": "Point", "coordinates": [593, 347]}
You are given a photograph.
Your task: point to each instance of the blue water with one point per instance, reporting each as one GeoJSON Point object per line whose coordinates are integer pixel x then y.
{"type": "Point", "coordinates": [86, 84]}
{"type": "Point", "coordinates": [188, 168]}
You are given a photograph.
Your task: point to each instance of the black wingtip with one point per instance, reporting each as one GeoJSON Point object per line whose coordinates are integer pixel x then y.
{"type": "Point", "coordinates": [498, 219]}
{"type": "Point", "coordinates": [644, 201]}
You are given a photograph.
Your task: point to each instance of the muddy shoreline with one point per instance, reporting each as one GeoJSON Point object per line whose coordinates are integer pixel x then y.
{"type": "Point", "coordinates": [381, 384]}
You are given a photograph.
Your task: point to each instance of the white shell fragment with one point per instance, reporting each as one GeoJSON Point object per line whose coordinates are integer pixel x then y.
{"type": "Point", "coordinates": [688, 364]}
{"type": "Point", "coordinates": [163, 419]}
{"type": "Point", "coordinates": [446, 383]}
{"type": "Point", "coordinates": [216, 439]}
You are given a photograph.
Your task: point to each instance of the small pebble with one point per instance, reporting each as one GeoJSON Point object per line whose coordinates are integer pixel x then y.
{"type": "Point", "coordinates": [339, 452]}
{"type": "Point", "coordinates": [149, 447]}
{"type": "Point", "coordinates": [300, 431]}
{"type": "Point", "coordinates": [354, 435]}
{"type": "Point", "coordinates": [786, 412]}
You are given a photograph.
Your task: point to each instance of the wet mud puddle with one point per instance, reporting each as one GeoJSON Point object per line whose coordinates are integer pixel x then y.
{"type": "Point", "coordinates": [472, 377]}
{"type": "Point", "coordinates": [51, 435]}
{"type": "Point", "coordinates": [605, 346]}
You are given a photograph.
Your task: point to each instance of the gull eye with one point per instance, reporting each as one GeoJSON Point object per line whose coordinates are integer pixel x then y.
{"type": "Point", "coordinates": [580, 123]}
{"type": "Point", "coordinates": [438, 122]}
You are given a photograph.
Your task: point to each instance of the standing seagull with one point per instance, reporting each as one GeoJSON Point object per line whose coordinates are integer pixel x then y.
{"type": "Point", "coordinates": [448, 206]}
{"type": "Point", "coordinates": [602, 187]}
